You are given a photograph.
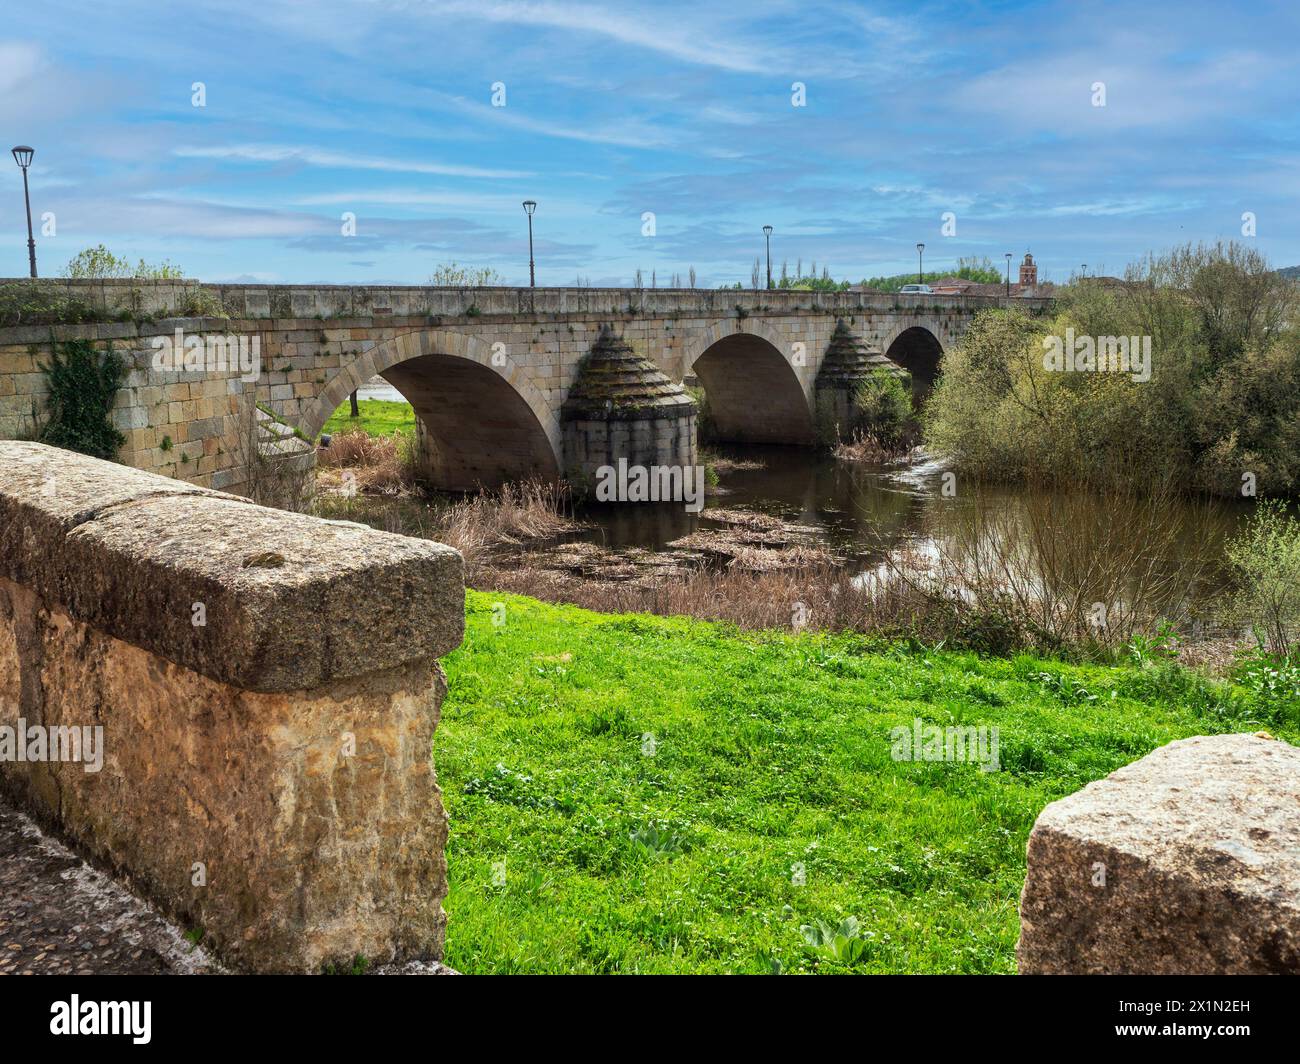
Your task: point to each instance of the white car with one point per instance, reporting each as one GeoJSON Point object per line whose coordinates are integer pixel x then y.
{"type": "Point", "coordinates": [915, 290]}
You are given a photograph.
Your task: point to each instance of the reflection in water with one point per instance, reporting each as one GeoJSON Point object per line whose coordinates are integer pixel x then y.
{"type": "Point", "coordinates": [1089, 543]}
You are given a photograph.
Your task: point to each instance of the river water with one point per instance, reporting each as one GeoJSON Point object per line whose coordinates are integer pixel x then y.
{"type": "Point", "coordinates": [865, 513]}
{"type": "Point", "coordinates": [1046, 541]}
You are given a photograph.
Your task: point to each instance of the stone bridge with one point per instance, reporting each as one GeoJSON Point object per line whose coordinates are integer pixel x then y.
{"type": "Point", "coordinates": [495, 375]}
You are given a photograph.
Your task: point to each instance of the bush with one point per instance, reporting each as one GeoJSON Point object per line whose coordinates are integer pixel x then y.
{"type": "Point", "coordinates": [99, 262]}
{"type": "Point", "coordinates": [882, 407]}
{"type": "Point", "coordinates": [83, 386]}
{"type": "Point", "coordinates": [35, 303]}
{"type": "Point", "coordinates": [1266, 558]}
{"type": "Point", "coordinates": [1222, 401]}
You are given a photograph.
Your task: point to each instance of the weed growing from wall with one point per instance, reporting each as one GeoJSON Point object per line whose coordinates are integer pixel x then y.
{"type": "Point", "coordinates": [83, 385]}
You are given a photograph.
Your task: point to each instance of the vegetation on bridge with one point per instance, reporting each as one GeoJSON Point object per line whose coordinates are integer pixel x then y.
{"type": "Point", "coordinates": [83, 383]}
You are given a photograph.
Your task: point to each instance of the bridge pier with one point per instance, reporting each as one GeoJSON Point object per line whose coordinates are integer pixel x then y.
{"type": "Point", "coordinates": [846, 365]}
{"type": "Point", "coordinates": [621, 407]}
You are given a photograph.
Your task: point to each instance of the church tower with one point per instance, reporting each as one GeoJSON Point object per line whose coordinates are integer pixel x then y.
{"type": "Point", "coordinates": [1028, 272]}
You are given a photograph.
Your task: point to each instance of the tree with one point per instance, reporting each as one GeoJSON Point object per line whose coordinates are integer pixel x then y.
{"type": "Point", "coordinates": [98, 262]}
{"type": "Point", "coordinates": [453, 275]}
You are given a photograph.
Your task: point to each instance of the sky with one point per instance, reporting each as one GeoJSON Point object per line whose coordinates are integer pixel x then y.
{"type": "Point", "coordinates": [657, 136]}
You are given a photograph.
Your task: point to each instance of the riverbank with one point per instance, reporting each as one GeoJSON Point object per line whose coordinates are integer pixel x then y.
{"type": "Point", "coordinates": [644, 794]}
{"type": "Point", "coordinates": [793, 538]}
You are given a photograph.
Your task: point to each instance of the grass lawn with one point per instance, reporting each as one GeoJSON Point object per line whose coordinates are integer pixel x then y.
{"type": "Point", "coordinates": [769, 752]}
{"type": "Point", "coordinates": [379, 417]}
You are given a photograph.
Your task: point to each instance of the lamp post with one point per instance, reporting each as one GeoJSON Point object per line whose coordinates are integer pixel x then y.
{"type": "Point", "coordinates": [1084, 269]}
{"type": "Point", "coordinates": [920, 273]}
{"type": "Point", "coordinates": [1008, 254]}
{"type": "Point", "coordinates": [23, 157]}
{"type": "Point", "coordinates": [767, 235]}
{"type": "Point", "coordinates": [529, 207]}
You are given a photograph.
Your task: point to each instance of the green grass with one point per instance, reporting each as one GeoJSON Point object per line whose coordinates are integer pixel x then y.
{"type": "Point", "coordinates": [379, 417]}
{"type": "Point", "coordinates": [769, 751]}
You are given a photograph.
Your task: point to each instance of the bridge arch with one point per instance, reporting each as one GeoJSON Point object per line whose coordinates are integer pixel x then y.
{"type": "Point", "coordinates": [481, 421]}
{"type": "Point", "coordinates": [917, 348]}
{"type": "Point", "coordinates": [755, 393]}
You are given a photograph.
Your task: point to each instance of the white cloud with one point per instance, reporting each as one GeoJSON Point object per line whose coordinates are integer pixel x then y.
{"type": "Point", "coordinates": [649, 30]}
{"type": "Point", "coordinates": [278, 153]}
{"type": "Point", "coordinates": [19, 62]}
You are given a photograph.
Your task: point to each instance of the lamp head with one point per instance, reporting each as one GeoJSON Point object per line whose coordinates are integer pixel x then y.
{"type": "Point", "coordinates": [529, 207]}
{"type": "Point", "coordinates": [23, 155]}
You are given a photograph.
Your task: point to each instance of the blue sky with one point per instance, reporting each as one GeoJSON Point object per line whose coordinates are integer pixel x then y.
{"type": "Point", "coordinates": [385, 110]}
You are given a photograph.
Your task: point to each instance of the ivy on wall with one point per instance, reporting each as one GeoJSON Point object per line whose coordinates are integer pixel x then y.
{"type": "Point", "coordinates": [83, 385]}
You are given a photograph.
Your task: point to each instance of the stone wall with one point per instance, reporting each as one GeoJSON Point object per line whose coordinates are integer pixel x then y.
{"type": "Point", "coordinates": [265, 687]}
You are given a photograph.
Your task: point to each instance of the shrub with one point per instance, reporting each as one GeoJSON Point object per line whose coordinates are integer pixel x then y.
{"type": "Point", "coordinates": [1223, 396]}
{"type": "Point", "coordinates": [1266, 558]}
{"type": "Point", "coordinates": [98, 262]}
{"type": "Point", "coordinates": [34, 303]}
{"type": "Point", "coordinates": [83, 385]}
{"type": "Point", "coordinates": [882, 407]}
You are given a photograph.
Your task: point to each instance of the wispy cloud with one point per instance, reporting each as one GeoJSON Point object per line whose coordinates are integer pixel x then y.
{"type": "Point", "coordinates": [287, 153]}
{"type": "Point", "coordinates": [670, 106]}
{"type": "Point", "coordinates": [650, 29]}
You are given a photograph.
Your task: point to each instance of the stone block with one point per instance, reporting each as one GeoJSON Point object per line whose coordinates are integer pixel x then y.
{"type": "Point", "coordinates": [291, 602]}
{"type": "Point", "coordinates": [1184, 862]}
{"type": "Point", "coordinates": [265, 774]}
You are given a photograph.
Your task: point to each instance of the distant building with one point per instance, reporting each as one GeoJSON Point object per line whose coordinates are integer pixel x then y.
{"type": "Point", "coordinates": [1028, 272]}
{"type": "Point", "coordinates": [960, 286]}
{"type": "Point", "coordinates": [1028, 284]}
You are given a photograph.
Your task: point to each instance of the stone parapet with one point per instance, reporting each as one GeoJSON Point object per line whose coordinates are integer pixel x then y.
{"type": "Point", "coordinates": [265, 688]}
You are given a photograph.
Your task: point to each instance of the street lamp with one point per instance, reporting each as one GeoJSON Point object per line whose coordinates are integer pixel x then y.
{"type": "Point", "coordinates": [1008, 254]}
{"type": "Point", "coordinates": [767, 235]}
{"type": "Point", "coordinates": [1084, 268]}
{"type": "Point", "coordinates": [920, 273]}
{"type": "Point", "coordinates": [529, 207]}
{"type": "Point", "coordinates": [23, 157]}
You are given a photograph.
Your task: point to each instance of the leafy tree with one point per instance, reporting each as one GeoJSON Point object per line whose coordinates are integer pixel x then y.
{"type": "Point", "coordinates": [1222, 401]}
{"type": "Point", "coordinates": [452, 275]}
{"type": "Point", "coordinates": [99, 262]}
{"type": "Point", "coordinates": [1266, 558]}
{"type": "Point", "coordinates": [981, 271]}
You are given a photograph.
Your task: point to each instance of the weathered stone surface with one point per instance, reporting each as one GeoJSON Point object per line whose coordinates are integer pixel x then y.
{"type": "Point", "coordinates": [617, 384]}
{"type": "Point", "coordinates": [296, 830]}
{"type": "Point", "coordinates": [846, 365]}
{"type": "Point", "coordinates": [1186, 861]}
{"type": "Point", "coordinates": [621, 406]}
{"type": "Point", "coordinates": [289, 602]}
